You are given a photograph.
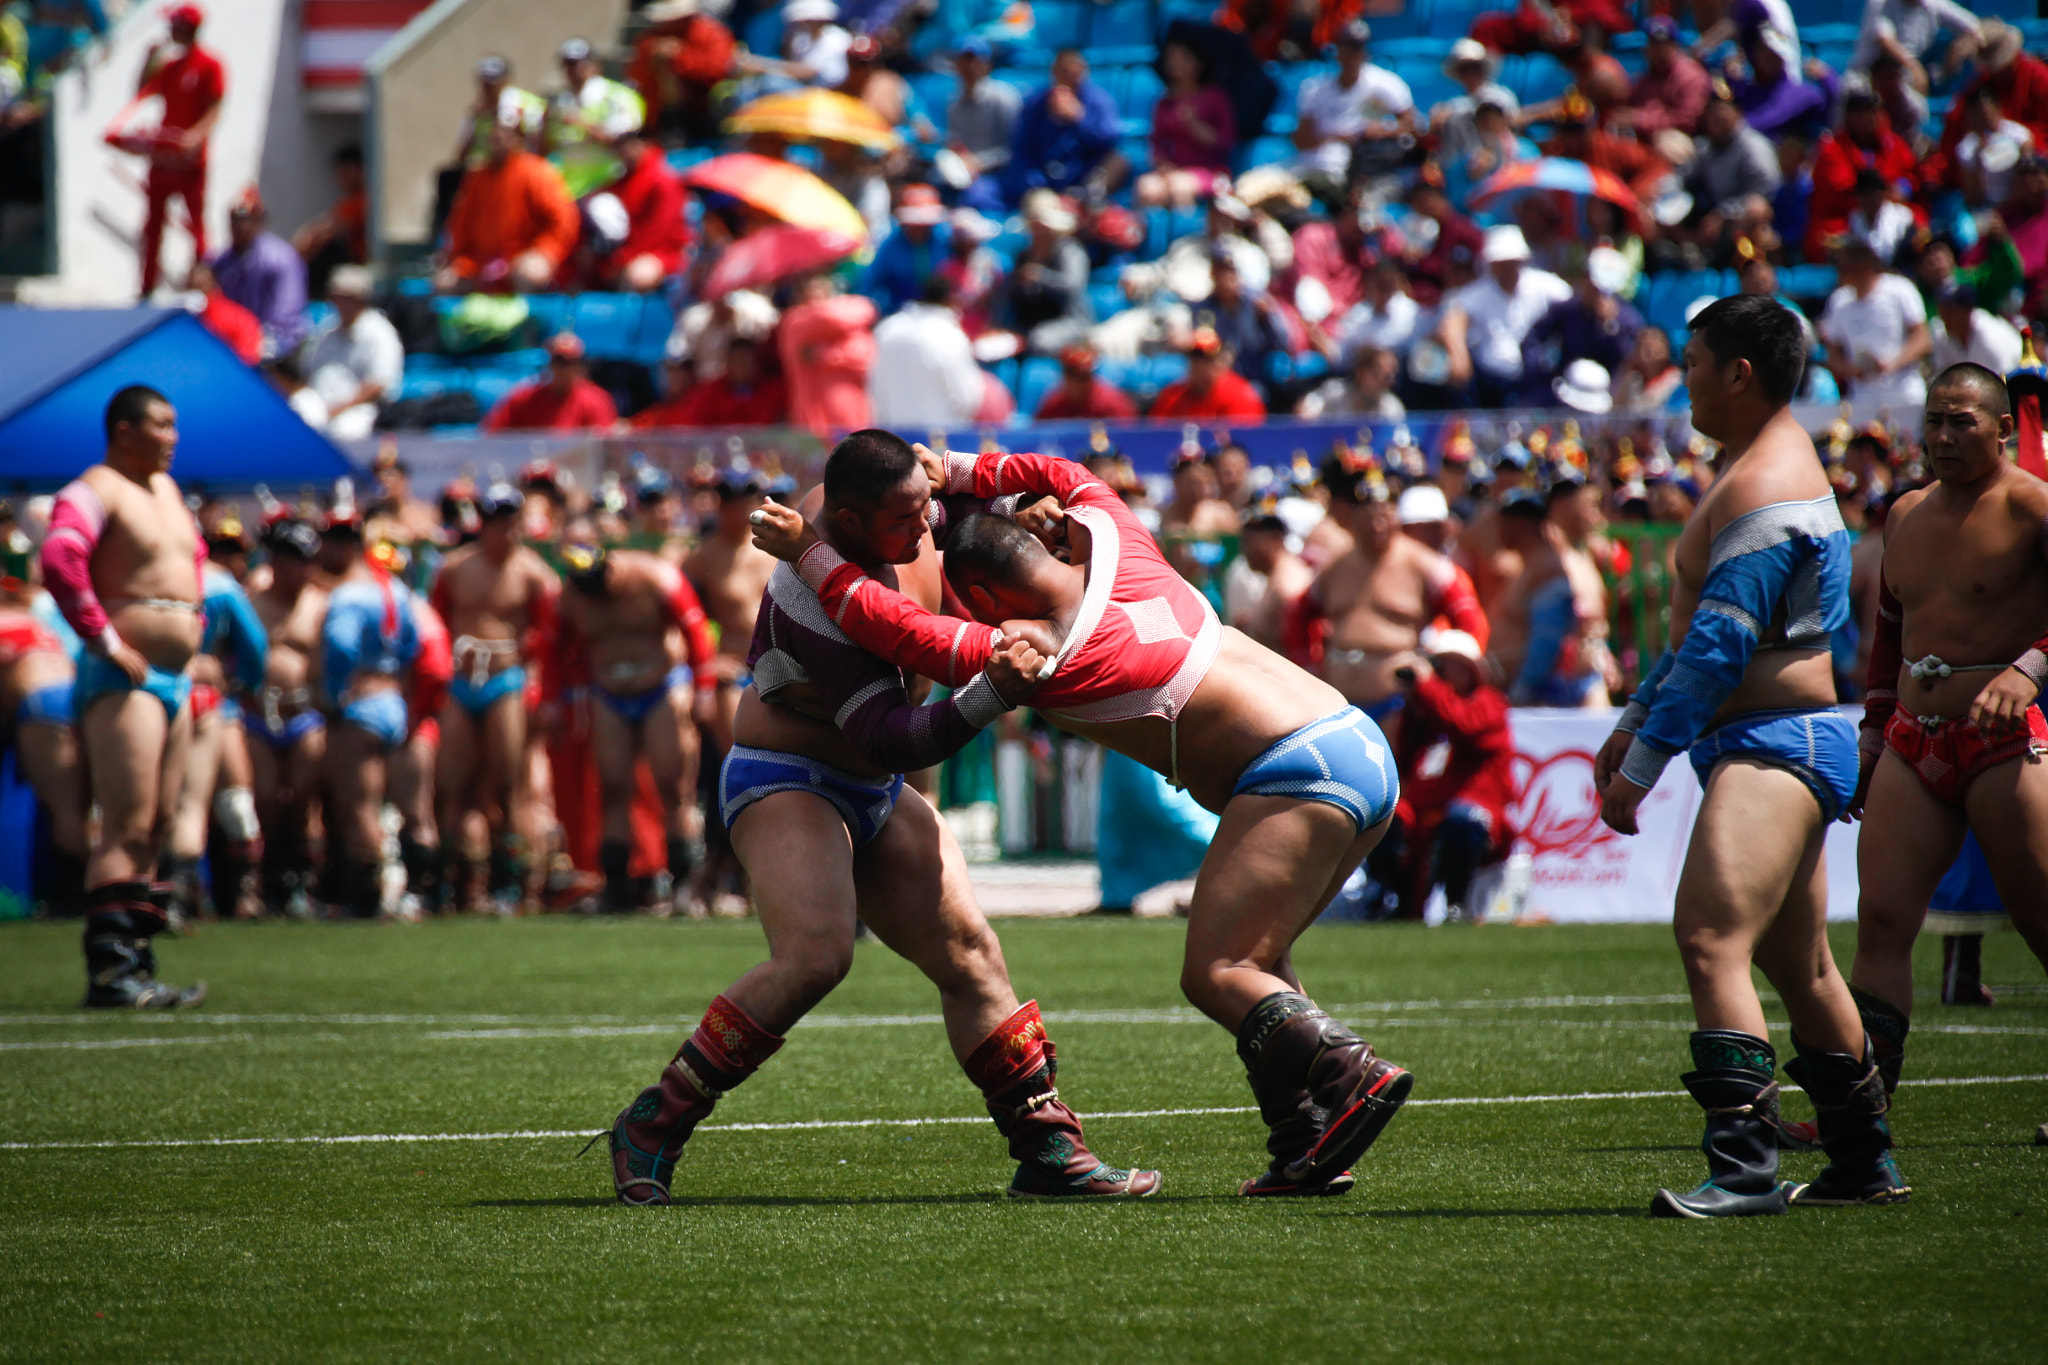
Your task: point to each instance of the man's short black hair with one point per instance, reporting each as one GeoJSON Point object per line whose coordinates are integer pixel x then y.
{"type": "Point", "coordinates": [983, 547]}
{"type": "Point", "coordinates": [866, 467]}
{"type": "Point", "coordinates": [1991, 388]}
{"type": "Point", "coordinates": [1762, 331]}
{"type": "Point", "coordinates": [131, 405]}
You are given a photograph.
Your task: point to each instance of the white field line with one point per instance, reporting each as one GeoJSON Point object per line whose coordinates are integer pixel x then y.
{"type": "Point", "coordinates": [68, 1044]}
{"type": "Point", "coordinates": [810, 1124]}
{"type": "Point", "coordinates": [1158, 1016]}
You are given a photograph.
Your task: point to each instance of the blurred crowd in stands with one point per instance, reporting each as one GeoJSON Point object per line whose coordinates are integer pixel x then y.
{"type": "Point", "coordinates": [984, 213]}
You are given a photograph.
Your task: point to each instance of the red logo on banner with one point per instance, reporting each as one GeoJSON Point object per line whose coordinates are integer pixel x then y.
{"type": "Point", "coordinates": [1555, 808]}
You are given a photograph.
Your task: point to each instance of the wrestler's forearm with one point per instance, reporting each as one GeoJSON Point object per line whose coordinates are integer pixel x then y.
{"type": "Point", "coordinates": [901, 738]}
{"type": "Point", "coordinates": [888, 624]}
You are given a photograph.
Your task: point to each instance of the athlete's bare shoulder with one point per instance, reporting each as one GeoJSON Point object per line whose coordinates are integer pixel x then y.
{"type": "Point", "coordinates": [454, 560]}
{"type": "Point", "coordinates": [2026, 497]}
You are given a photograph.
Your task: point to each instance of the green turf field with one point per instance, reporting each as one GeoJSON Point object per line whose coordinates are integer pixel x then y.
{"type": "Point", "coordinates": [1480, 1230]}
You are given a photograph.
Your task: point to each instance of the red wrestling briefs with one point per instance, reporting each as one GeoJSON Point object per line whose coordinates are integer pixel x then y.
{"type": "Point", "coordinates": [1948, 755]}
{"type": "Point", "coordinates": [21, 635]}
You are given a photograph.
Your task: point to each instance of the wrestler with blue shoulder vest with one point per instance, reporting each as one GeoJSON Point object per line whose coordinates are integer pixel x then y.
{"type": "Point", "coordinates": [1747, 692]}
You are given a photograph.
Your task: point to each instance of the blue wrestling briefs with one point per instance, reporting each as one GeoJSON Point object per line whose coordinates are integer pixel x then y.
{"type": "Point", "coordinates": [286, 732]}
{"type": "Point", "coordinates": [380, 713]}
{"type": "Point", "coordinates": [97, 677]}
{"type": "Point", "coordinates": [1341, 760]}
{"type": "Point", "coordinates": [864, 803]}
{"type": "Point", "coordinates": [1817, 747]}
{"type": "Point", "coordinates": [478, 699]}
{"type": "Point", "coordinates": [47, 706]}
{"type": "Point", "coordinates": [640, 705]}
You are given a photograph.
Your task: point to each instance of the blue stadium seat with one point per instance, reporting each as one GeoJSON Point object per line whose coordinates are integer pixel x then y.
{"type": "Point", "coordinates": [934, 89]}
{"type": "Point", "coordinates": [1818, 35]}
{"type": "Point", "coordinates": [1291, 77]}
{"type": "Point", "coordinates": [657, 320]}
{"type": "Point", "coordinates": [425, 383]}
{"type": "Point", "coordinates": [1807, 282]}
{"type": "Point", "coordinates": [1387, 51]}
{"type": "Point", "coordinates": [1137, 149]}
{"type": "Point", "coordinates": [1450, 19]}
{"type": "Point", "coordinates": [1006, 371]}
{"type": "Point", "coordinates": [1161, 370]}
{"type": "Point", "coordinates": [1035, 379]}
{"type": "Point", "coordinates": [1197, 11]}
{"type": "Point", "coordinates": [1426, 82]}
{"type": "Point", "coordinates": [1105, 299]}
{"type": "Point", "coordinates": [1059, 23]}
{"type": "Point", "coordinates": [1265, 151]}
{"type": "Point", "coordinates": [519, 364]}
{"type": "Point", "coordinates": [491, 385]}
{"type": "Point", "coordinates": [550, 312]}
{"type": "Point", "coordinates": [1542, 78]}
{"type": "Point", "coordinates": [1137, 91]}
{"type": "Point", "coordinates": [608, 324]}
{"type": "Point", "coordinates": [764, 32]}
{"type": "Point", "coordinates": [416, 287]}
{"type": "Point", "coordinates": [1121, 24]}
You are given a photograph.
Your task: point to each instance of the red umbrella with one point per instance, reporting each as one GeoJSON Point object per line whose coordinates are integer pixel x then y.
{"type": "Point", "coordinates": [773, 252]}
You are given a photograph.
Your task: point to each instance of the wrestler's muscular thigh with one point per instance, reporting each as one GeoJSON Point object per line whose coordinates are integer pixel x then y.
{"type": "Point", "coordinates": [669, 739]}
{"type": "Point", "coordinates": [125, 737]}
{"type": "Point", "coordinates": [1749, 848]}
{"type": "Point", "coordinates": [358, 783]}
{"type": "Point", "coordinates": [1907, 843]}
{"type": "Point", "coordinates": [457, 774]}
{"type": "Point", "coordinates": [305, 766]}
{"type": "Point", "coordinates": [613, 751]}
{"type": "Point", "coordinates": [1795, 958]}
{"type": "Point", "coordinates": [177, 758]}
{"type": "Point", "coordinates": [914, 892]}
{"type": "Point", "coordinates": [504, 759]}
{"type": "Point", "coordinates": [1273, 866]}
{"type": "Point", "coordinates": [799, 859]}
{"type": "Point", "coordinates": [2008, 808]}
{"type": "Point", "coordinates": [202, 773]}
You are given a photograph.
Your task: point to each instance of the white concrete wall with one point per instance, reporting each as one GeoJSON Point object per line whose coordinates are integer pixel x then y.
{"type": "Point", "coordinates": [99, 200]}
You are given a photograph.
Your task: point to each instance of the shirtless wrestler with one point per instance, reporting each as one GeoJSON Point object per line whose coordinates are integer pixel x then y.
{"type": "Point", "coordinates": [1363, 617]}
{"type": "Point", "coordinates": [631, 631]}
{"type": "Point", "coordinates": [1286, 576]}
{"type": "Point", "coordinates": [1550, 634]}
{"type": "Point", "coordinates": [1952, 740]}
{"type": "Point", "coordinates": [369, 643]}
{"type": "Point", "coordinates": [730, 575]}
{"type": "Point", "coordinates": [123, 561]}
{"type": "Point", "coordinates": [827, 831]}
{"type": "Point", "coordinates": [1304, 783]}
{"type": "Point", "coordinates": [287, 732]}
{"type": "Point", "coordinates": [492, 595]}
{"type": "Point", "coordinates": [218, 788]}
{"type": "Point", "coordinates": [36, 682]}
{"type": "Point", "coordinates": [1747, 692]}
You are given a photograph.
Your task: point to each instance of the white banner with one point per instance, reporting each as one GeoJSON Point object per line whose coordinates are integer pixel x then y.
{"type": "Point", "coordinates": [1584, 871]}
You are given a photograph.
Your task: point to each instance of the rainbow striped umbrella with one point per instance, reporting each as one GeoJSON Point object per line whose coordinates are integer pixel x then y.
{"type": "Point", "coordinates": [1558, 176]}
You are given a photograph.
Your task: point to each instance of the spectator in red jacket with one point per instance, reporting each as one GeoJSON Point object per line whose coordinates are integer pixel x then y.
{"type": "Point", "coordinates": [1456, 757]}
{"type": "Point", "coordinates": [1080, 395]}
{"type": "Point", "coordinates": [565, 400]}
{"type": "Point", "coordinates": [676, 62]}
{"type": "Point", "coordinates": [657, 233]}
{"type": "Point", "coordinates": [1212, 388]}
{"type": "Point", "coordinates": [740, 397]}
{"type": "Point", "coordinates": [1549, 28]}
{"type": "Point", "coordinates": [1865, 141]}
{"type": "Point", "coordinates": [2020, 81]}
{"type": "Point", "coordinates": [1274, 29]}
{"type": "Point", "coordinates": [225, 318]}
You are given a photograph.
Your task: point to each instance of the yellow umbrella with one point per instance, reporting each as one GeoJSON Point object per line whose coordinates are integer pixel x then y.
{"type": "Point", "coordinates": [823, 115]}
{"type": "Point", "coordinates": [788, 192]}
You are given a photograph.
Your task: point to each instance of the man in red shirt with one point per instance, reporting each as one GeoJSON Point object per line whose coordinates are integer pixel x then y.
{"type": "Point", "coordinates": [191, 83]}
{"type": "Point", "coordinates": [1865, 141]}
{"type": "Point", "coordinates": [225, 318]}
{"type": "Point", "coordinates": [1456, 756]}
{"type": "Point", "coordinates": [564, 401]}
{"type": "Point", "coordinates": [1080, 396]}
{"type": "Point", "coordinates": [2019, 80]}
{"type": "Point", "coordinates": [740, 397]}
{"type": "Point", "coordinates": [657, 233]}
{"type": "Point", "coordinates": [1212, 388]}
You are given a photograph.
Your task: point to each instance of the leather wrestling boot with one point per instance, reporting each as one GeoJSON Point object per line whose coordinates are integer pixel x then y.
{"type": "Point", "coordinates": [1850, 1101]}
{"type": "Point", "coordinates": [1734, 1084]}
{"type": "Point", "coordinates": [1288, 1044]}
{"type": "Point", "coordinates": [1015, 1068]}
{"type": "Point", "coordinates": [647, 1137]}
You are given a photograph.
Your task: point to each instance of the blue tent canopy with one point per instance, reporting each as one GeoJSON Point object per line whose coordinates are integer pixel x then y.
{"type": "Point", "coordinates": [58, 368]}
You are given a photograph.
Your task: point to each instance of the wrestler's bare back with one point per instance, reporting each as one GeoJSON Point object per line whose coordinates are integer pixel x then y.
{"type": "Point", "coordinates": [1968, 568]}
